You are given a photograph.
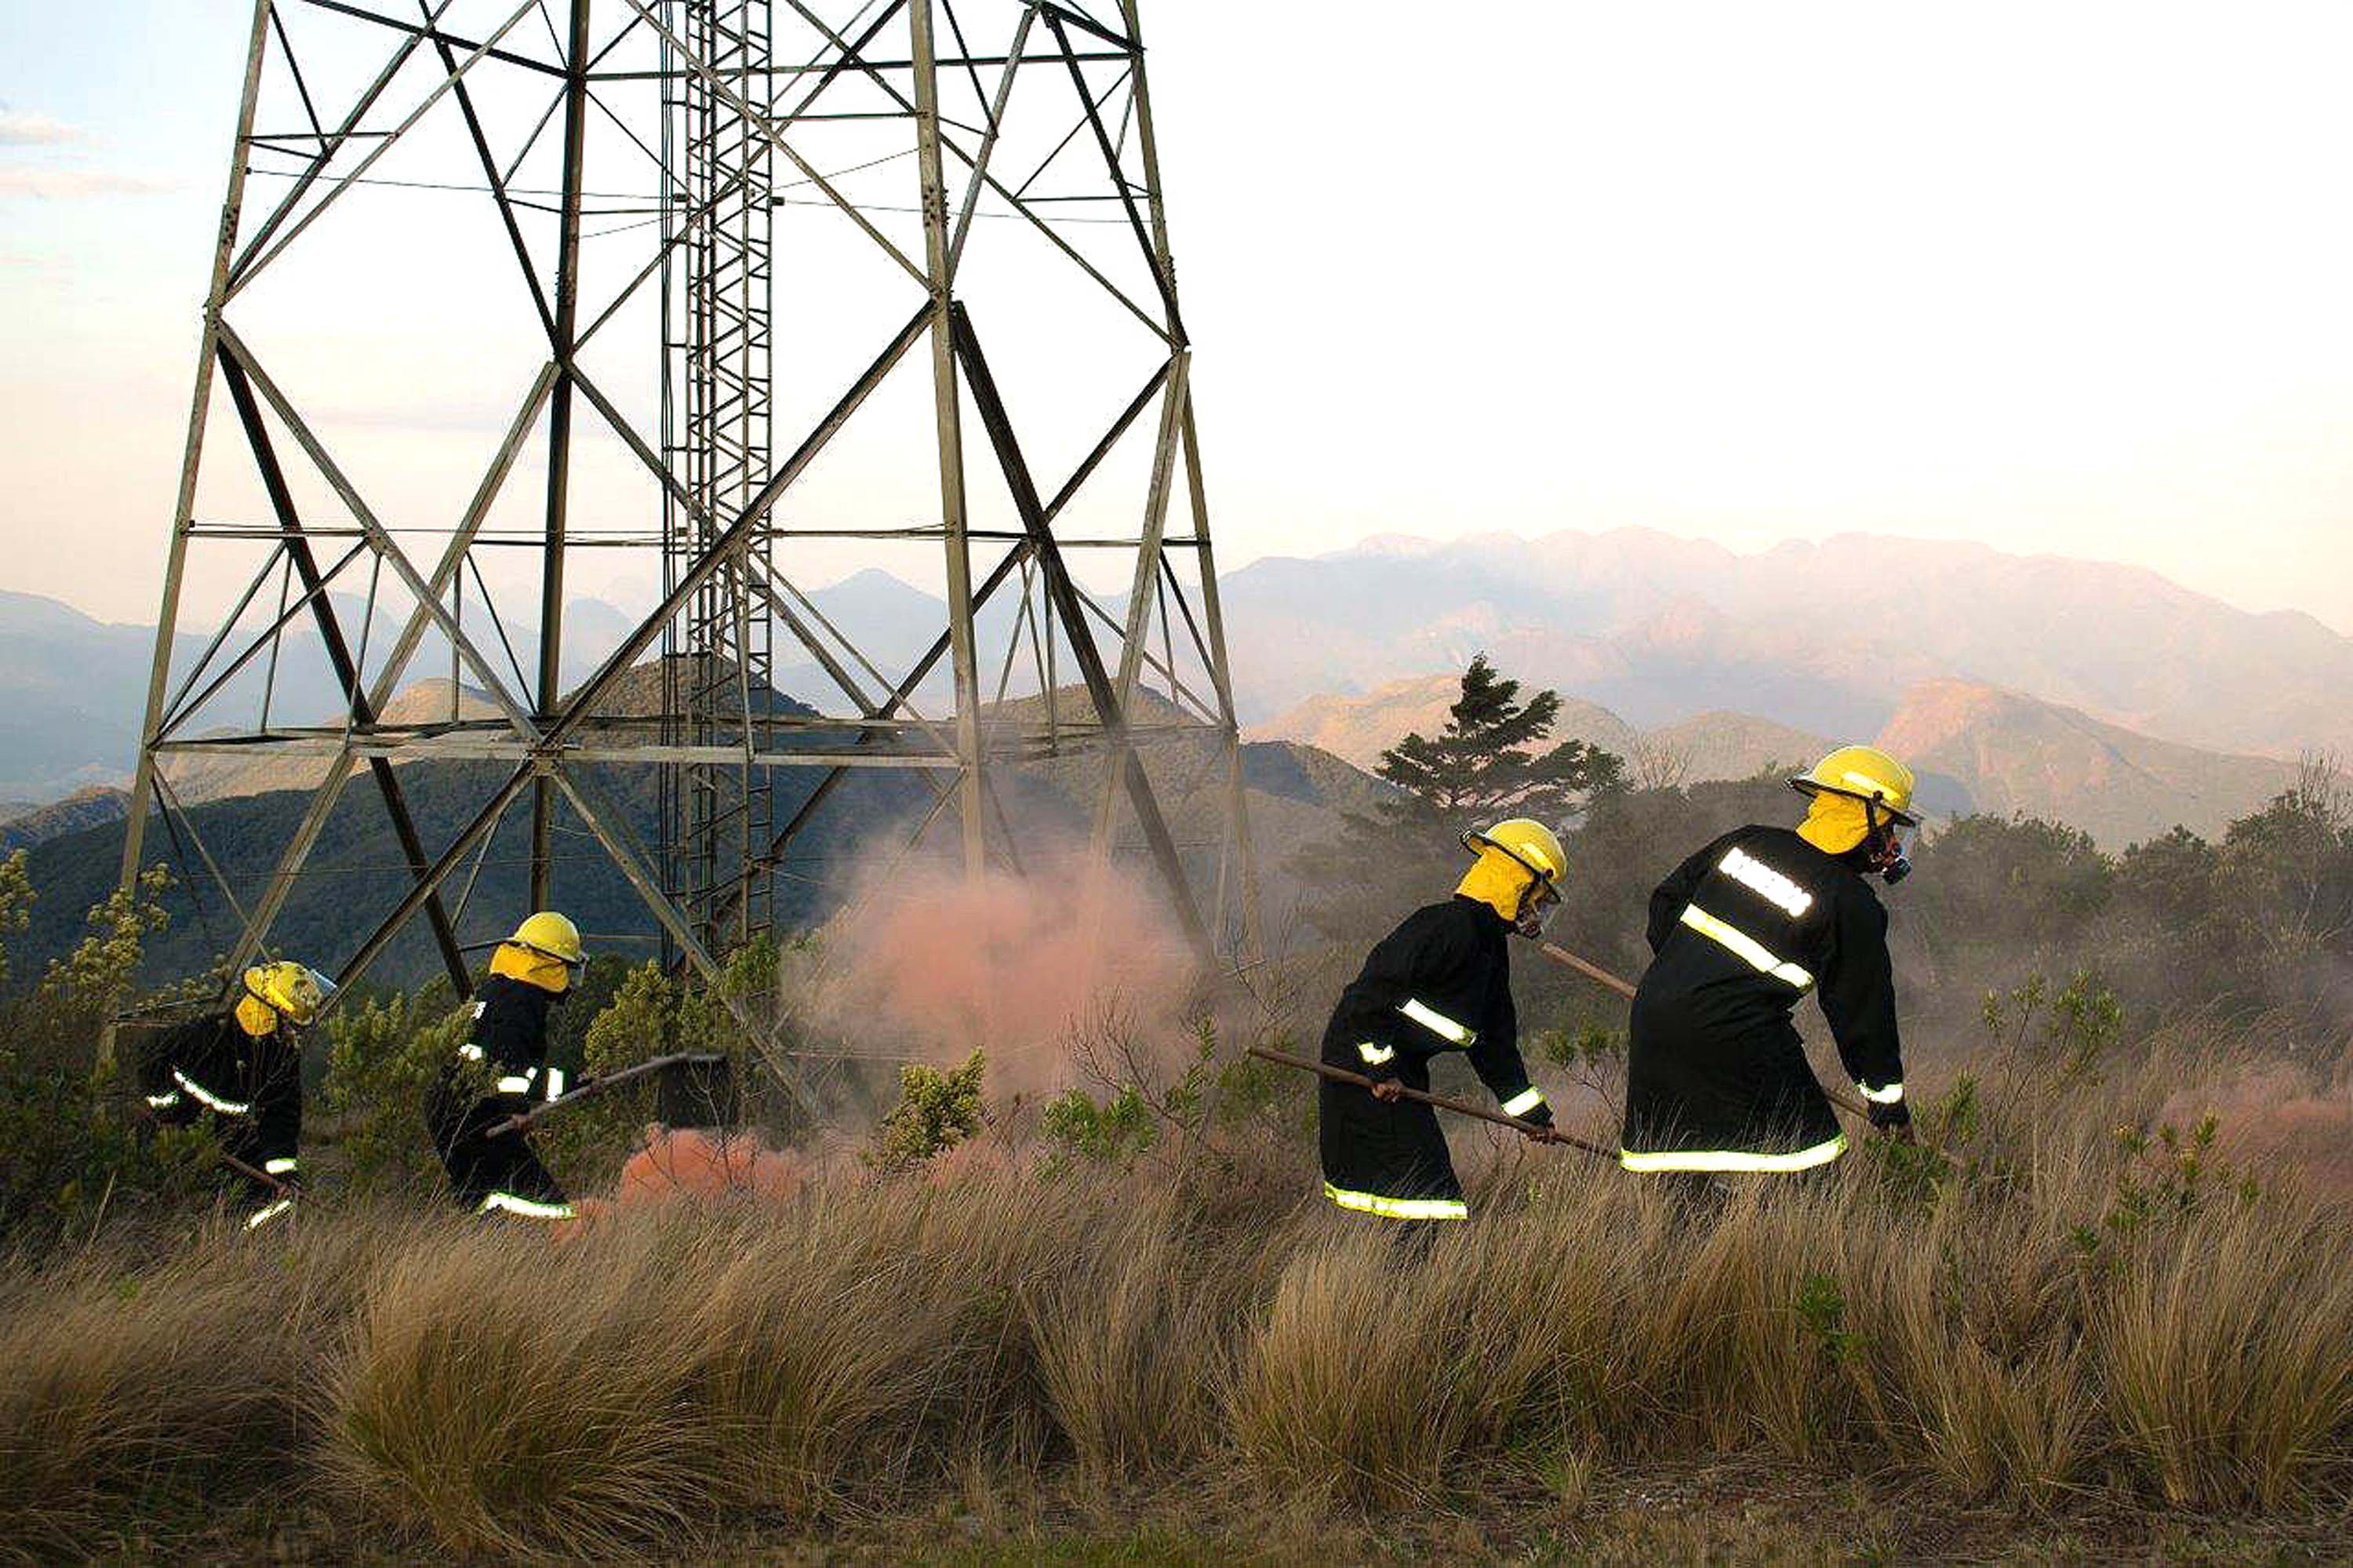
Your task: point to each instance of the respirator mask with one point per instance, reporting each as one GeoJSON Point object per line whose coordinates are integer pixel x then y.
{"type": "Point", "coordinates": [1887, 856]}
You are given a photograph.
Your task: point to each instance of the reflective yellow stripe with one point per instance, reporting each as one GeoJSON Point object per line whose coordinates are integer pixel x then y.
{"type": "Point", "coordinates": [1746, 946]}
{"type": "Point", "coordinates": [163, 1102]}
{"type": "Point", "coordinates": [209, 1101]}
{"type": "Point", "coordinates": [1375, 1054]}
{"type": "Point", "coordinates": [1523, 1102]}
{"type": "Point", "coordinates": [261, 1217]}
{"type": "Point", "coordinates": [528, 1208]}
{"type": "Point", "coordinates": [1733, 1158]}
{"type": "Point", "coordinates": [281, 1166]}
{"type": "Point", "coordinates": [515, 1085]}
{"type": "Point", "coordinates": [469, 1052]}
{"type": "Point", "coordinates": [555, 1082]}
{"type": "Point", "coordinates": [1886, 1097]}
{"type": "Point", "coordinates": [1437, 1022]}
{"type": "Point", "coordinates": [1398, 1208]}
{"type": "Point", "coordinates": [1763, 881]}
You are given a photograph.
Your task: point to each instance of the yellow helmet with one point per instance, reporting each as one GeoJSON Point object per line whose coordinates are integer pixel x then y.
{"type": "Point", "coordinates": [1533, 846]}
{"type": "Point", "coordinates": [1862, 773]}
{"type": "Point", "coordinates": [292, 990]}
{"type": "Point", "coordinates": [552, 934]}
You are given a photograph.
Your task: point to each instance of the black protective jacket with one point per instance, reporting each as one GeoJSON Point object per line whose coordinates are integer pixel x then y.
{"type": "Point", "coordinates": [488, 1169]}
{"type": "Point", "coordinates": [510, 1033]}
{"type": "Point", "coordinates": [1717, 1075]}
{"type": "Point", "coordinates": [1440, 981]}
{"type": "Point", "coordinates": [252, 1088]}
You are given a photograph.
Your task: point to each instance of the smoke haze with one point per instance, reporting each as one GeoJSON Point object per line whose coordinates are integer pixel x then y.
{"type": "Point", "coordinates": [929, 965]}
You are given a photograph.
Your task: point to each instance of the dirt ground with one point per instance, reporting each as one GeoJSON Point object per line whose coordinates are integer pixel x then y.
{"type": "Point", "coordinates": [1729, 1515]}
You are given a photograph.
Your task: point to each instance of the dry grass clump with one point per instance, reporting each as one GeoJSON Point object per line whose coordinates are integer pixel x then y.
{"type": "Point", "coordinates": [2226, 1351]}
{"type": "Point", "coordinates": [1131, 1346]}
{"type": "Point", "coordinates": [1973, 1335]}
{"type": "Point", "coordinates": [2071, 1314]}
{"type": "Point", "coordinates": [848, 1352]}
{"type": "Point", "coordinates": [129, 1391]}
{"type": "Point", "coordinates": [514, 1399]}
{"type": "Point", "coordinates": [1381, 1364]}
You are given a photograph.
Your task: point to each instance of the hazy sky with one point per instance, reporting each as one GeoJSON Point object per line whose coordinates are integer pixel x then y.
{"type": "Point", "coordinates": [2065, 278]}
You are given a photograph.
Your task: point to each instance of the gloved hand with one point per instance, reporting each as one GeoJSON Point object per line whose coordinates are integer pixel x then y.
{"type": "Point", "coordinates": [1540, 1116]}
{"type": "Point", "coordinates": [1889, 1117]}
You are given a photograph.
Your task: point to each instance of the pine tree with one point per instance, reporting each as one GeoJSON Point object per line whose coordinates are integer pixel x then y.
{"type": "Point", "coordinates": [1484, 764]}
{"type": "Point", "coordinates": [1489, 763]}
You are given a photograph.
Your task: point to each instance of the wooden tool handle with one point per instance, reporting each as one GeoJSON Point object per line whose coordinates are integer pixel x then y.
{"type": "Point", "coordinates": [1460, 1107]}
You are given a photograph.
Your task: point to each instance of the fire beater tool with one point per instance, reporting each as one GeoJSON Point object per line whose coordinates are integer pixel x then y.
{"type": "Point", "coordinates": [1460, 1107]}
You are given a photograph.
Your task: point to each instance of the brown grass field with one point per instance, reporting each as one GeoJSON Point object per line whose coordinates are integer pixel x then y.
{"type": "Point", "coordinates": [2080, 1346]}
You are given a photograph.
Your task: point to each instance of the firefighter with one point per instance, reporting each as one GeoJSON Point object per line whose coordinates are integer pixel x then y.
{"type": "Point", "coordinates": [507, 1044]}
{"type": "Point", "coordinates": [1440, 981]}
{"type": "Point", "coordinates": [242, 1068]}
{"type": "Point", "coordinates": [1716, 1077]}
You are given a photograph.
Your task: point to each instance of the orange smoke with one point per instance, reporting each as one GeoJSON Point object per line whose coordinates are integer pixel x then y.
{"type": "Point", "coordinates": [2270, 1117]}
{"type": "Point", "coordinates": [933, 967]}
{"type": "Point", "coordinates": [689, 1165]}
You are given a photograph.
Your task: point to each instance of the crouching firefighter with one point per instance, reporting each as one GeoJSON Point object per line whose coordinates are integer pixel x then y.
{"type": "Point", "coordinates": [1440, 981]}
{"type": "Point", "coordinates": [241, 1069]}
{"type": "Point", "coordinates": [501, 1072]}
{"type": "Point", "coordinates": [1716, 1076]}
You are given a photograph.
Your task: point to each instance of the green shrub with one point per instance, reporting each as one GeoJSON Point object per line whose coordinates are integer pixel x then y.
{"type": "Point", "coordinates": [382, 1056]}
{"type": "Point", "coordinates": [72, 1148]}
{"type": "Point", "coordinates": [2070, 1031]}
{"type": "Point", "coordinates": [1112, 1132]}
{"type": "Point", "coordinates": [935, 1112]}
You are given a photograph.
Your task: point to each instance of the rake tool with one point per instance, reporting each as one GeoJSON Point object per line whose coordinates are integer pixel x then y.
{"type": "Point", "coordinates": [1460, 1107]}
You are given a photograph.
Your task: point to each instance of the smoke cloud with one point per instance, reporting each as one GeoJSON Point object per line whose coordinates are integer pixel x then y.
{"type": "Point", "coordinates": [2273, 1119]}
{"type": "Point", "coordinates": [1031, 970]}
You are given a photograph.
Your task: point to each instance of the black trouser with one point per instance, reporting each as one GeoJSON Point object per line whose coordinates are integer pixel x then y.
{"type": "Point", "coordinates": [488, 1172]}
{"type": "Point", "coordinates": [1383, 1158]}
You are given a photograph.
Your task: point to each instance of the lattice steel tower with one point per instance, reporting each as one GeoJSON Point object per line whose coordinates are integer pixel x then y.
{"type": "Point", "coordinates": [717, 816]}
{"type": "Point", "coordinates": [690, 294]}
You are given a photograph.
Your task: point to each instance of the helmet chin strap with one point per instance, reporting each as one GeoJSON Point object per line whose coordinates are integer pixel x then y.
{"type": "Point", "coordinates": [1536, 910]}
{"type": "Point", "coordinates": [1887, 860]}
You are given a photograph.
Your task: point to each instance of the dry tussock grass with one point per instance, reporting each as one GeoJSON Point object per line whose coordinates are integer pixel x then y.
{"type": "Point", "coordinates": [126, 1392]}
{"type": "Point", "coordinates": [870, 1352]}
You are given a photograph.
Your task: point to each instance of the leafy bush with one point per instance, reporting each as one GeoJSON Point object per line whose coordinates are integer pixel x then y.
{"type": "Point", "coordinates": [1114, 1132]}
{"type": "Point", "coordinates": [381, 1058]}
{"type": "Point", "coordinates": [71, 1148]}
{"type": "Point", "coordinates": [2068, 1030]}
{"type": "Point", "coordinates": [935, 1112]}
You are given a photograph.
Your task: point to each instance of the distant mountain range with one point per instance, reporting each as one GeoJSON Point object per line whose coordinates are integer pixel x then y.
{"type": "Point", "coordinates": [1705, 746]}
{"type": "Point", "coordinates": [1827, 637]}
{"type": "Point", "coordinates": [2002, 752]}
{"type": "Point", "coordinates": [1976, 748]}
{"type": "Point", "coordinates": [23, 826]}
{"type": "Point", "coordinates": [73, 689]}
{"type": "Point", "coordinates": [2103, 694]}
